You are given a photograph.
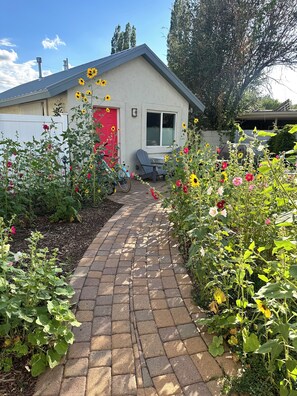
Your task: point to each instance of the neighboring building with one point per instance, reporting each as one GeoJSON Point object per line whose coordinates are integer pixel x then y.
{"type": "Point", "coordinates": [147, 108]}
{"type": "Point", "coordinates": [267, 119]}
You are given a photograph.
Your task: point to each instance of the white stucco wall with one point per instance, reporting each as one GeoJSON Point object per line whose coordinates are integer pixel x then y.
{"type": "Point", "coordinates": [137, 84]}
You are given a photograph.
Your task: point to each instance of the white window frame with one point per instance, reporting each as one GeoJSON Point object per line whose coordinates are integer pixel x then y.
{"type": "Point", "coordinates": [161, 126]}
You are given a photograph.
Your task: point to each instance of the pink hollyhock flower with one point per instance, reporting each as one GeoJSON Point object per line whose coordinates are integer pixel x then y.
{"type": "Point", "coordinates": [209, 191]}
{"type": "Point", "coordinates": [224, 212]}
{"type": "Point", "coordinates": [185, 189]}
{"type": "Point", "coordinates": [249, 177]}
{"type": "Point", "coordinates": [237, 181]}
{"type": "Point", "coordinates": [221, 191]}
{"type": "Point", "coordinates": [251, 187]}
{"type": "Point", "coordinates": [154, 194]}
{"type": "Point", "coordinates": [218, 150]}
{"type": "Point", "coordinates": [13, 230]}
{"type": "Point", "coordinates": [267, 221]}
{"type": "Point", "coordinates": [178, 183]}
{"type": "Point", "coordinates": [225, 165]}
{"type": "Point", "coordinates": [186, 150]}
{"type": "Point", "coordinates": [89, 175]}
{"type": "Point", "coordinates": [213, 211]}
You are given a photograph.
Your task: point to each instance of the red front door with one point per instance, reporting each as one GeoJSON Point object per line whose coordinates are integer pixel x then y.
{"type": "Point", "coordinates": [108, 132]}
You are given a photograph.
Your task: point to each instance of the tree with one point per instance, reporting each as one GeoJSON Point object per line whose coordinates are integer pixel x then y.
{"type": "Point", "coordinates": [221, 48]}
{"type": "Point", "coordinates": [123, 40]}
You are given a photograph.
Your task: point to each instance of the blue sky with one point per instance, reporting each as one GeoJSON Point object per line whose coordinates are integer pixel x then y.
{"type": "Point", "coordinates": [82, 31]}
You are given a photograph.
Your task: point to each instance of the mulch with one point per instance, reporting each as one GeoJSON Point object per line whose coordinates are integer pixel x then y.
{"type": "Point", "coordinates": [72, 240]}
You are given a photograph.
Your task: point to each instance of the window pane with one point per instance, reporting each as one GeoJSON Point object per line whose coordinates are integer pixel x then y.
{"type": "Point", "coordinates": [153, 126]}
{"type": "Point", "coordinates": [168, 129]}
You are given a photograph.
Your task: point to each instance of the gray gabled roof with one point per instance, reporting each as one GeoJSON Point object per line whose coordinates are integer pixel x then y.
{"type": "Point", "coordinates": [57, 83]}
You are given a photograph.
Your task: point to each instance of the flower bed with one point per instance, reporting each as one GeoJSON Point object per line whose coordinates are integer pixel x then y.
{"type": "Point", "coordinates": [236, 224]}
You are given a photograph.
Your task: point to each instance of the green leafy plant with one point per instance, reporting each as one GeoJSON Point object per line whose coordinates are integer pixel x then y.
{"type": "Point", "coordinates": [35, 309]}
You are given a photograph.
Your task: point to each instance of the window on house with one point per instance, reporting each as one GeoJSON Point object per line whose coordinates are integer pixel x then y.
{"type": "Point", "coordinates": [160, 129]}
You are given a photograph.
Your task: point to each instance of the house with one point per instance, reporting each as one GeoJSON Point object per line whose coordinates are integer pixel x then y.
{"type": "Point", "coordinates": [148, 103]}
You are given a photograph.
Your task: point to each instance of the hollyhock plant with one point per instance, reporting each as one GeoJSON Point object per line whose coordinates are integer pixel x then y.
{"type": "Point", "coordinates": [185, 189]}
{"type": "Point", "coordinates": [213, 211]}
{"type": "Point", "coordinates": [225, 165]}
{"type": "Point", "coordinates": [249, 177]}
{"type": "Point", "coordinates": [13, 230]}
{"type": "Point", "coordinates": [186, 150]}
{"type": "Point", "coordinates": [154, 194]}
{"type": "Point", "coordinates": [178, 183]}
{"type": "Point", "coordinates": [221, 204]}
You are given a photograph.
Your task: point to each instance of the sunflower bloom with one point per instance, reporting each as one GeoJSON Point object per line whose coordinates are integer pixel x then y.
{"type": "Point", "coordinates": [81, 81]}
{"type": "Point", "coordinates": [85, 99]}
{"type": "Point", "coordinates": [107, 110]}
{"type": "Point", "coordinates": [107, 97]}
{"type": "Point", "coordinates": [113, 128]}
{"type": "Point", "coordinates": [166, 158]}
{"type": "Point", "coordinates": [194, 180]}
{"type": "Point", "coordinates": [196, 120]}
{"type": "Point", "coordinates": [263, 308]}
{"type": "Point", "coordinates": [103, 83]}
{"type": "Point", "coordinates": [240, 155]}
{"type": "Point", "coordinates": [184, 125]}
{"type": "Point", "coordinates": [83, 111]}
{"type": "Point", "coordinates": [89, 92]}
{"type": "Point", "coordinates": [224, 175]}
{"type": "Point", "coordinates": [78, 95]}
{"type": "Point", "coordinates": [219, 296]}
{"type": "Point", "coordinates": [98, 82]}
{"type": "Point", "coordinates": [91, 166]}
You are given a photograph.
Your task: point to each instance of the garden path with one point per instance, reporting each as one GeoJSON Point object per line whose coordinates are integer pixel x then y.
{"type": "Point", "coordinates": [138, 334]}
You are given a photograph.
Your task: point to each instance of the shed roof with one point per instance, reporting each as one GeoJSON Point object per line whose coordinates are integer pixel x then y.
{"type": "Point", "coordinates": [57, 83]}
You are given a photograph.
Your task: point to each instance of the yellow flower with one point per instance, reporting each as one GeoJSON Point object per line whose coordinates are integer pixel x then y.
{"type": "Point", "coordinates": [103, 83]}
{"type": "Point", "coordinates": [107, 110]}
{"type": "Point", "coordinates": [92, 72]}
{"type": "Point", "coordinates": [219, 296]}
{"type": "Point", "coordinates": [263, 308]}
{"type": "Point", "coordinates": [98, 82]}
{"type": "Point", "coordinates": [194, 180]}
{"type": "Point", "coordinates": [233, 331]}
{"type": "Point", "coordinates": [81, 81]}
{"type": "Point", "coordinates": [99, 191]}
{"type": "Point", "coordinates": [184, 125]}
{"type": "Point", "coordinates": [240, 155]}
{"type": "Point", "coordinates": [88, 92]}
{"type": "Point", "coordinates": [181, 153]}
{"type": "Point", "coordinates": [78, 95]}
{"type": "Point", "coordinates": [190, 160]}
{"type": "Point", "coordinates": [87, 191]}
{"type": "Point", "coordinates": [107, 97]}
{"type": "Point", "coordinates": [91, 166]}
{"type": "Point", "coordinates": [113, 128]}
{"type": "Point", "coordinates": [196, 120]}
{"type": "Point", "coordinates": [225, 176]}
{"type": "Point", "coordinates": [166, 158]}
{"type": "Point", "coordinates": [85, 99]}
{"type": "Point", "coordinates": [83, 111]}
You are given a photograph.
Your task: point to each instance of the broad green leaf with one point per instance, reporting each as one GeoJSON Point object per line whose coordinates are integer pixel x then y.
{"type": "Point", "coordinates": [4, 329]}
{"type": "Point", "coordinates": [42, 320]}
{"type": "Point", "coordinates": [274, 290]}
{"type": "Point", "coordinates": [261, 249]}
{"type": "Point", "coordinates": [263, 278]}
{"type": "Point", "coordinates": [251, 344]}
{"type": "Point", "coordinates": [216, 347]}
{"type": "Point", "coordinates": [38, 364]}
{"type": "Point", "coordinates": [247, 254]}
{"type": "Point", "coordinates": [53, 358]}
{"type": "Point", "coordinates": [252, 246]}
{"type": "Point", "coordinates": [268, 346]}
{"type": "Point", "coordinates": [283, 390]}
{"type": "Point", "coordinates": [264, 169]}
{"type": "Point", "coordinates": [293, 129]}
{"type": "Point", "coordinates": [61, 347]}
{"type": "Point", "coordinates": [285, 244]}
{"type": "Point", "coordinates": [264, 133]}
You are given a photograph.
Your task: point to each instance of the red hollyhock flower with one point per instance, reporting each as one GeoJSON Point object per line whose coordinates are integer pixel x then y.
{"type": "Point", "coordinates": [221, 204]}
{"type": "Point", "coordinates": [45, 127]}
{"type": "Point", "coordinates": [9, 164]}
{"type": "Point", "coordinates": [225, 165]}
{"type": "Point", "coordinates": [249, 177]}
{"type": "Point", "coordinates": [154, 194]}
{"type": "Point", "coordinates": [13, 230]}
{"type": "Point", "coordinates": [89, 175]}
{"type": "Point", "coordinates": [70, 167]}
{"type": "Point", "coordinates": [186, 150]}
{"type": "Point", "coordinates": [178, 183]}
{"type": "Point", "coordinates": [76, 189]}
{"type": "Point", "coordinates": [185, 189]}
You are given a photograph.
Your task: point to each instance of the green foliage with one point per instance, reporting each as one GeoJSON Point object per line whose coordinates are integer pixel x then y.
{"type": "Point", "coordinates": [220, 49]}
{"type": "Point", "coordinates": [282, 141]}
{"type": "Point", "coordinates": [35, 312]}
{"type": "Point", "coordinates": [236, 225]}
{"type": "Point", "coordinates": [123, 40]}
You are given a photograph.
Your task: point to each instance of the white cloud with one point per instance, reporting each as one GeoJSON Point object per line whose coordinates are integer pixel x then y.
{"type": "Point", "coordinates": [52, 44]}
{"type": "Point", "coordinates": [13, 74]}
{"type": "Point", "coordinates": [5, 42]}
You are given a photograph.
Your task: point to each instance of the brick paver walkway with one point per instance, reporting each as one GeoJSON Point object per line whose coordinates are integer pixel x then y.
{"type": "Point", "coordinates": [138, 335]}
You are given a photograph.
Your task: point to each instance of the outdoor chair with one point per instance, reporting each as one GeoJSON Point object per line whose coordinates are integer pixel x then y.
{"type": "Point", "coordinates": [146, 169]}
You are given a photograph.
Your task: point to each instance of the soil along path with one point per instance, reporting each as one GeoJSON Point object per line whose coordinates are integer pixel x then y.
{"type": "Point", "coordinates": [138, 334]}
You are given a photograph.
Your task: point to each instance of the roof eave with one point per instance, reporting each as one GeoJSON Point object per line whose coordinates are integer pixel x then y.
{"type": "Point", "coordinates": [31, 97]}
